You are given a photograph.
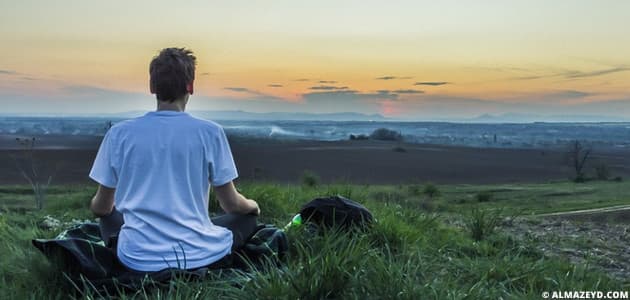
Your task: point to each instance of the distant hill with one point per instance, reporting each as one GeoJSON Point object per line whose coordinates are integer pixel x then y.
{"type": "Point", "coordinates": [530, 118]}
{"type": "Point", "coordinates": [243, 115]}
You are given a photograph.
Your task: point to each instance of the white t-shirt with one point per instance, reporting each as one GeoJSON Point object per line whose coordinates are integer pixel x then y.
{"type": "Point", "coordinates": [160, 165]}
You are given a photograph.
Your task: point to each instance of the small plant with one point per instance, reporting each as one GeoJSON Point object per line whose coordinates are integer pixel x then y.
{"type": "Point", "coordinates": [482, 223]}
{"type": "Point", "coordinates": [602, 171]}
{"type": "Point", "coordinates": [415, 189]}
{"type": "Point", "coordinates": [310, 179]}
{"type": "Point", "coordinates": [393, 196]}
{"type": "Point", "coordinates": [399, 149]}
{"type": "Point", "coordinates": [431, 190]}
{"type": "Point", "coordinates": [484, 196]}
{"type": "Point", "coordinates": [257, 173]}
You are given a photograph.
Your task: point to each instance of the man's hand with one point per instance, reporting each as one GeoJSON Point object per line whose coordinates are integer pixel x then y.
{"type": "Point", "coordinates": [103, 202]}
{"type": "Point", "coordinates": [233, 202]}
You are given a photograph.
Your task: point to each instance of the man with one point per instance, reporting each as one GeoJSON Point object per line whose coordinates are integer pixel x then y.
{"type": "Point", "coordinates": [155, 172]}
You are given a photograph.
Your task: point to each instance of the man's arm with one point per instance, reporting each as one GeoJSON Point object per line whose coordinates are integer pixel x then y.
{"type": "Point", "coordinates": [103, 202]}
{"type": "Point", "coordinates": [233, 202]}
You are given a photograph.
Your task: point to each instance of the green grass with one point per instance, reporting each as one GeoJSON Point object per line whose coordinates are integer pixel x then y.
{"type": "Point", "coordinates": [538, 198]}
{"type": "Point", "coordinates": [410, 253]}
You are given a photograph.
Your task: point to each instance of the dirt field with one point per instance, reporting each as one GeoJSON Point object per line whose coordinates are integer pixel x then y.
{"type": "Point", "coordinates": [373, 162]}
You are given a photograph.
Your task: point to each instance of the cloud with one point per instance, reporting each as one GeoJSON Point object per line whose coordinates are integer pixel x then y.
{"type": "Point", "coordinates": [328, 88]}
{"type": "Point", "coordinates": [238, 89]}
{"type": "Point", "coordinates": [432, 83]}
{"type": "Point", "coordinates": [87, 90]}
{"type": "Point", "coordinates": [392, 77]}
{"type": "Point", "coordinates": [327, 81]}
{"type": "Point", "coordinates": [76, 99]}
{"type": "Point", "coordinates": [301, 79]}
{"type": "Point", "coordinates": [273, 85]}
{"type": "Point", "coordinates": [386, 78]}
{"type": "Point", "coordinates": [528, 77]}
{"type": "Point", "coordinates": [408, 91]}
{"type": "Point", "coordinates": [351, 96]}
{"type": "Point", "coordinates": [8, 72]}
{"type": "Point", "coordinates": [570, 94]}
{"type": "Point", "coordinates": [580, 74]}
{"type": "Point", "coordinates": [28, 78]}
{"type": "Point", "coordinates": [205, 74]}
{"type": "Point", "coordinates": [401, 91]}
{"type": "Point", "coordinates": [558, 97]}
{"type": "Point", "coordinates": [574, 74]}
{"type": "Point", "coordinates": [258, 95]}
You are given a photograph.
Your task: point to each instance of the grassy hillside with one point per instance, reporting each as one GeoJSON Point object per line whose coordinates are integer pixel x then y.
{"type": "Point", "coordinates": [421, 247]}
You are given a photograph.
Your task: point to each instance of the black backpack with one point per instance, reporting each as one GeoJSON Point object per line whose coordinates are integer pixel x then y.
{"type": "Point", "coordinates": [336, 211]}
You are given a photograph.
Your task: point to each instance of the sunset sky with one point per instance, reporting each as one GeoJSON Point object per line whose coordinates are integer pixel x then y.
{"type": "Point", "coordinates": [404, 59]}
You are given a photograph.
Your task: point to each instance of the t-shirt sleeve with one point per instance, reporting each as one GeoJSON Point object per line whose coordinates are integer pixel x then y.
{"type": "Point", "coordinates": [103, 170]}
{"type": "Point", "coordinates": [222, 169]}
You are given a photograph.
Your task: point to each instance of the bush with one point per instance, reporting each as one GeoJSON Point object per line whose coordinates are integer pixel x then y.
{"type": "Point", "coordinates": [602, 172]}
{"type": "Point", "coordinates": [484, 196]}
{"type": "Point", "coordinates": [310, 179]}
{"type": "Point", "coordinates": [384, 134]}
{"type": "Point", "coordinates": [431, 190]}
{"type": "Point", "coordinates": [414, 189]}
{"type": "Point", "coordinates": [482, 223]}
{"type": "Point", "coordinates": [358, 137]}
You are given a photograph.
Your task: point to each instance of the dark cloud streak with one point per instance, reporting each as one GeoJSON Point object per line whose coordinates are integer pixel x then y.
{"type": "Point", "coordinates": [239, 89]}
{"type": "Point", "coordinates": [389, 77]}
{"type": "Point", "coordinates": [328, 88]}
{"type": "Point", "coordinates": [401, 91]}
{"type": "Point", "coordinates": [8, 72]}
{"type": "Point", "coordinates": [408, 91]}
{"type": "Point", "coordinates": [257, 94]}
{"type": "Point", "coordinates": [579, 74]}
{"type": "Point", "coordinates": [432, 83]}
{"type": "Point", "coordinates": [575, 74]}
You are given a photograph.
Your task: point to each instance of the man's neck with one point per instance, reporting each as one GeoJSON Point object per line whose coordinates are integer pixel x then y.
{"type": "Point", "coordinates": [177, 105]}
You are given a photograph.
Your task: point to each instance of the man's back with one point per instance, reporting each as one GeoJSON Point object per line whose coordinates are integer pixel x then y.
{"type": "Point", "coordinates": [160, 164]}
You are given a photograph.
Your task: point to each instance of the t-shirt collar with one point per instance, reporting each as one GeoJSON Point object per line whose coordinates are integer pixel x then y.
{"type": "Point", "coordinates": [167, 113]}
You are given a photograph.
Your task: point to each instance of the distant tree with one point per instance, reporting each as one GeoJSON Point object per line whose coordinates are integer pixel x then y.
{"type": "Point", "coordinates": [27, 166]}
{"type": "Point", "coordinates": [578, 156]}
{"type": "Point", "coordinates": [384, 134]}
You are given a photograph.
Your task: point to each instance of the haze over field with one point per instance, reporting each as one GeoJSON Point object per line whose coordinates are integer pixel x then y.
{"type": "Point", "coordinates": [422, 60]}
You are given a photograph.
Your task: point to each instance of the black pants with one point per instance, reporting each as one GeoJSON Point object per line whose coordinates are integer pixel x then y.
{"type": "Point", "coordinates": [242, 226]}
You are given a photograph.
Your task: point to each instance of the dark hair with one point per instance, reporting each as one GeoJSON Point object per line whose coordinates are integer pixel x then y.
{"type": "Point", "coordinates": [170, 72]}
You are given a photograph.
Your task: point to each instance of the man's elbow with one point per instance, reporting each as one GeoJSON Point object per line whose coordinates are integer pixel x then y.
{"type": "Point", "coordinates": [229, 207]}
{"type": "Point", "coordinates": [100, 210]}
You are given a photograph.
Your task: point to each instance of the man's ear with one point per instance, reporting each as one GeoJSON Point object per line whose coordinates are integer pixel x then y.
{"type": "Point", "coordinates": [151, 88]}
{"type": "Point", "coordinates": [190, 87]}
